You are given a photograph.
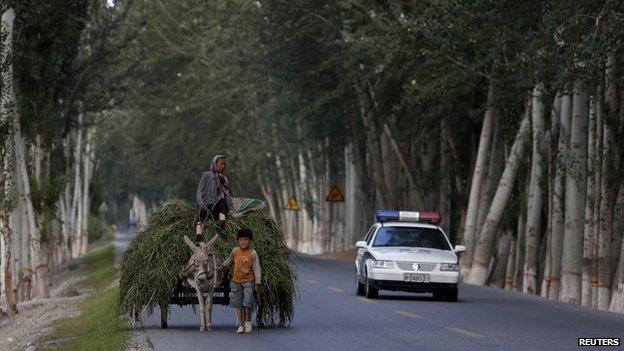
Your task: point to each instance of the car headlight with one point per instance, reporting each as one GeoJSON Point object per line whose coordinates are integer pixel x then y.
{"type": "Point", "coordinates": [449, 267]}
{"type": "Point", "coordinates": [383, 264]}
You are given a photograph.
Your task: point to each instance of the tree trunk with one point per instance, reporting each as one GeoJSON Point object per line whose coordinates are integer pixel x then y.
{"type": "Point", "coordinates": [7, 104]}
{"type": "Point", "coordinates": [7, 244]}
{"type": "Point", "coordinates": [374, 148]}
{"type": "Point", "coordinates": [608, 191]}
{"type": "Point", "coordinates": [595, 193]}
{"type": "Point", "coordinates": [576, 178]}
{"type": "Point", "coordinates": [495, 164]}
{"type": "Point", "coordinates": [470, 226]}
{"type": "Point", "coordinates": [557, 227]}
{"type": "Point", "coordinates": [66, 203]}
{"type": "Point", "coordinates": [88, 159]}
{"type": "Point", "coordinates": [445, 195]}
{"type": "Point", "coordinates": [502, 257]}
{"type": "Point", "coordinates": [39, 259]}
{"type": "Point", "coordinates": [483, 249]}
{"type": "Point", "coordinates": [552, 136]}
{"type": "Point", "coordinates": [589, 235]}
{"type": "Point", "coordinates": [357, 196]}
{"type": "Point", "coordinates": [511, 260]}
{"type": "Point", "coordinates": [517, 273]}
{"type": "Point", "coordinates": [535, 198]}
{"type": "Point", "coordinates": [400, 154]}
{"type": "Point", "coordinates": [617, 296]}
{"type": "Point", "coordinates": [76, 203]}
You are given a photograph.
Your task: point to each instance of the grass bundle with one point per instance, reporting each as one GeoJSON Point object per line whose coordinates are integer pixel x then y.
{"type": "Point", "coordinates": [151, 265]}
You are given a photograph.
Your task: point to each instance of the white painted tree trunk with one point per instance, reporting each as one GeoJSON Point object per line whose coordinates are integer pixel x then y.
{"type": "Point", "coordinates": [88, 160]}
{"type": "Point", "coordinates": [7, 113]}
{"type": "Point", "coordinates": [557, 227]}
{"type": "Point", "coordinates": [536, 193]}
{"type": "Point", "coordinates": [511, 261]}
{"type": "Point", "coordinates": [31, 235]}
{"type": "Point", "coordinates": [76, 203]}
{"type": "Point", "coordinates": [7, 234]}
{"type": "Point", "coordinates": [39, 258]}
{"type": "Point", "coordinates": [576, 178]}
{"type": "Point", "coordinates": [483, 250]}
{"type": "Point", "coordinates": [469, 235]}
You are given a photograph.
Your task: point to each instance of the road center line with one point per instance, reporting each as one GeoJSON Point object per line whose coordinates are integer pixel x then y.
{"type": "Point", "coordinates": [407, 314]}
{"type": "Point", "coordinates": [335, 289]}
{"type": "Point", "coordinates": [465, 332]}
{"type": "Point", "coordinates": [311, 281]}
{"type": "Point", "coordinates": [366, 300]}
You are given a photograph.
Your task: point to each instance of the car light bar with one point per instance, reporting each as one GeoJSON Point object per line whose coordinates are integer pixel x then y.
{"type": "Point", "coordinates": [408, 216]}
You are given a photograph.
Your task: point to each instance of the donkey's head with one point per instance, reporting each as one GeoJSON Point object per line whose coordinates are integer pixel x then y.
{"type": "Point", "coordinates": [203, 264]}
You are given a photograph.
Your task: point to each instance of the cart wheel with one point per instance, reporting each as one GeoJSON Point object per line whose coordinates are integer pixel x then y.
{"type": "Point", "coordinates": [163, 317]}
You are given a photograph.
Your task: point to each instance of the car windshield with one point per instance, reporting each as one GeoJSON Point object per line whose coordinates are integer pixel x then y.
{"type": "Point", "coordinates": [411, 236]}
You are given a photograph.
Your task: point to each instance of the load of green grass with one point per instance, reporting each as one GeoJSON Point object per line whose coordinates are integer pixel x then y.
{"type": "Point", "coordinates": [151, 265]}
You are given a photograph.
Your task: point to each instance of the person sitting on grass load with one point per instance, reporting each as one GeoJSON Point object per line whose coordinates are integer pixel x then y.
{"type": "Point", "coordinates": [213, 197]}
{"type": "Point", "coordinates": [246, 279]}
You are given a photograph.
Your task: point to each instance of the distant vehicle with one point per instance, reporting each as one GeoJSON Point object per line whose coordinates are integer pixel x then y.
{"type": "Point", "coordinates": [407, 251]}
{"type": "Point", "coordinates": [133, 223]}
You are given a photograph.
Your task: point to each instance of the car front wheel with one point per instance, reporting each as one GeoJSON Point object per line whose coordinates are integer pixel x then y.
{"type": "Point", "coordinates": [371, 292]}
{"type": "Point", "coordinates": [450, 295]}
{"type": "Point", "coordinates": [360, 289]}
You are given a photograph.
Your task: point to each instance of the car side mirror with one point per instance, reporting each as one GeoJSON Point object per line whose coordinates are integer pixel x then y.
{"type": "Point", "coordinates": [459, 248]}
{"type": "Point", "coordinates": [361, 244]}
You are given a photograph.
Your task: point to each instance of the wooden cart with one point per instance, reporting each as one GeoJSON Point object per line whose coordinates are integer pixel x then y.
{"type": "Point", "coordinates": [184, 294]}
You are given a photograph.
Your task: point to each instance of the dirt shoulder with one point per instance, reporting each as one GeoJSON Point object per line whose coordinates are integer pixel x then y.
{"type": "Point", "coordinates": [42, 323]}
{"type": "Point", "coordinates": [35, 317]}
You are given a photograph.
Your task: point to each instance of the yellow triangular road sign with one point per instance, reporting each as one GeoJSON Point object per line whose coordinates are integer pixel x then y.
{"type": "Point", "coordinates": [335, 195]}
{"type": "Point", "coordinates": [292, 204]}
{"type": "Point", "coordinates": [103, 207]}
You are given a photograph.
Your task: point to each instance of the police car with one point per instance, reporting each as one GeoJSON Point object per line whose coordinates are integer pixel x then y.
{"type": "Point", "coordinates": [407, 251]}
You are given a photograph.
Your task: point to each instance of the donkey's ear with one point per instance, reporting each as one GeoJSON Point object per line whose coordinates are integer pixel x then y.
{"type": "Point", "coordinates": [212, 241]}
{"type": "Point", "coordinates": [190, 243]}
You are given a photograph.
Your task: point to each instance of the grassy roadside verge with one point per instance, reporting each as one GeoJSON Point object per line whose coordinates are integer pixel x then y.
{"type": "Point", "coordinates": [99, 326]}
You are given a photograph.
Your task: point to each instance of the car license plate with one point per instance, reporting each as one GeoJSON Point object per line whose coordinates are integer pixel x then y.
{"type": "Point", "coordinates": [416, 277]}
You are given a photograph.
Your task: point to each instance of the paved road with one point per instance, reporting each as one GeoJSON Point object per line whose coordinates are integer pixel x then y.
{"type": "Point", "coordinates": [328, 316]}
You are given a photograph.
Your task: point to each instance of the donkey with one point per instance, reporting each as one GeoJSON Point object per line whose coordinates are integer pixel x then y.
{"type": "Point", "coordinates": [202, 273]}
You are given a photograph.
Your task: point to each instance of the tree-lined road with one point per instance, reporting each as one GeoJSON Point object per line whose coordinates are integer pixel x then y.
{"type": "Point", "coordinates": [328, 316]}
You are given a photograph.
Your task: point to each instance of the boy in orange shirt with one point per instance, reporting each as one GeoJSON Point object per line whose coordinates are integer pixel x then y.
{"type": "Point", "coordinates": [246, 279]}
